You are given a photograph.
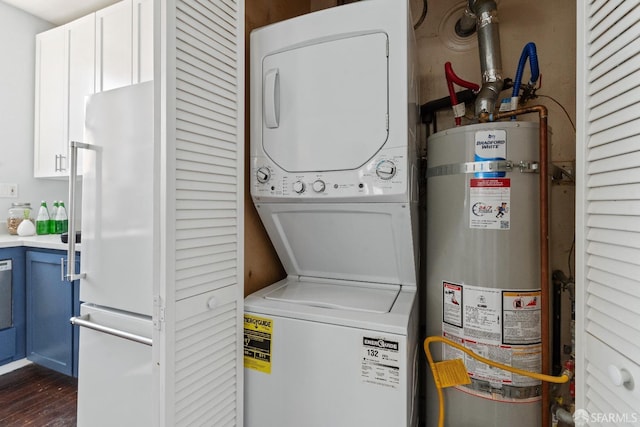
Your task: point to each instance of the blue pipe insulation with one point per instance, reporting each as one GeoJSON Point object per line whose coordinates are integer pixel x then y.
{"type": "Point", "coordinates": [529, 52]}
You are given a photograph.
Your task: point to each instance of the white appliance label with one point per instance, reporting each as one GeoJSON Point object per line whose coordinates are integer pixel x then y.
{"type": "Point", "coordinates": [521, 321]}
{"type": "Point", "coordinates": [5, 265]}
{"type": "Point", "coordinates": [490, 203]}
{"type": "Point", "coordinates": [490, 145]}
{"type": "Point", "coordinates": [452, 304]}
{"type": "Point", "coordinates": [380, 362]}
{"type": "Point", "coordinates": [498, 324]}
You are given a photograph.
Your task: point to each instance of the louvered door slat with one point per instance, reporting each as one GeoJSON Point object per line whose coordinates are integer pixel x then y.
{"type": "Point", "coordinates": [623, 136]}
{"type": "Point", "coordinates": [612, 192]}
{"type": "Point", "coordinates": [611, 121]}
{"type": "Point", "coordinates": [619, 207]}
{"type": "Point", "coordinates": [616, 237]}
{"type": "Point", "coordinates": [617, 96]}
{"type": "Point", "coordinates": [598, 13]}
{"type": "Point", "coordinates": [614, 76]}
{"type": "Point", "coordinates": [618, 21]}
{"type": "Point", "coordinates": [622, 145]}
{"type": "Point", "coordinates": [621, 51]}
{"type": "Point", "coordinates": [624, 223]}
{"type": "Point", "coordinates": [615, 177]}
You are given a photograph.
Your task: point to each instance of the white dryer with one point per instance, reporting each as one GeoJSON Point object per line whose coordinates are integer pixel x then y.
{"type": "Point", "coordinates": [334, 113]}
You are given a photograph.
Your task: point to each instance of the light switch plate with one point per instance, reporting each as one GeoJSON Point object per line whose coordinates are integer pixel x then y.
{"type": "Point", "coordinates": [9, 190]}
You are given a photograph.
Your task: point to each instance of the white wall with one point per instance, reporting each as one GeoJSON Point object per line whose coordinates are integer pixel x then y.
{"type": "Point", "coordinates": [17, 44]}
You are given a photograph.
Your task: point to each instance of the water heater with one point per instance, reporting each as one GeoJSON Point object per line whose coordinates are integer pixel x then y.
{"type": "Point", "coordinates": [482, 275]}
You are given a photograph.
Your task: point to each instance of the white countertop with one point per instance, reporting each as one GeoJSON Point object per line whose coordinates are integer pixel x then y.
{"type": "Point", "coordinates": [51, 241]}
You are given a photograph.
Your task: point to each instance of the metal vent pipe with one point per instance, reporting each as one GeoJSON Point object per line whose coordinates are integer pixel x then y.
{"type": "Point", "coordinates": [486, 14]}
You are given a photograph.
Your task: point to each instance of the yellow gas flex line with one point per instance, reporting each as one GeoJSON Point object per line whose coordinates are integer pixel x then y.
{"type": "Point", "coordinates": [566, 375]}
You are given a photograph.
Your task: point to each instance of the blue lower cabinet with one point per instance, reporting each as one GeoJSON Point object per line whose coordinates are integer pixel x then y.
{"type": "Point", "coordinates": [12, 305]}
{"type": "Point", "coordinates": [51, 339]}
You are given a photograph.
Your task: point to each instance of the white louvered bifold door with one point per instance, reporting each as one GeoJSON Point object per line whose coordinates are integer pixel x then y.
{"type": "Point", "coordinates": [199, 64]}
{"type": "Point", "coordinates": [608, 212]}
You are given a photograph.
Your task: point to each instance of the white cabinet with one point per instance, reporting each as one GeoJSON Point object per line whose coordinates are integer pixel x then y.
{"type": "Point", "coordinates": [104, 50]}
{"type": "Point", "coordinates": [64, 76]}
{"type": "Point", "coordinates": [114, 46]}
{"type": "Point", "coordinates": [124, 44]}
{"type": "Point", "coordinates": [50, 154]}
{"type": "Point", "coordinates": [80, 36]}
{"type": "Point", "coordinates": [607, 213]}
{"type": "Point", "coordinates": [142, 41]}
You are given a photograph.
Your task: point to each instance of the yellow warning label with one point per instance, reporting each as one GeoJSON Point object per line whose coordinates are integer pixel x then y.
{"type": "Point", "coordinates": [258, 333]}
{"type": "Point", "coordinates": [452, 372]}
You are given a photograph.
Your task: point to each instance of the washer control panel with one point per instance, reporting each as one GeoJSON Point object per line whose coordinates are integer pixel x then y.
{"type": "Point", "coordinates": [386, 174]}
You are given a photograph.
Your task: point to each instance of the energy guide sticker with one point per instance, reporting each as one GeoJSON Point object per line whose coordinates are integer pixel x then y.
{"type": "Point", "coordinates": [258, 335]}
{"type": "Point", "coordinates": [380, 362]}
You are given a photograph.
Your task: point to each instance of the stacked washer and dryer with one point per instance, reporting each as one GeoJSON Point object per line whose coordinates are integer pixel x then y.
{"type": "Point", "coordinates": [334, 117]}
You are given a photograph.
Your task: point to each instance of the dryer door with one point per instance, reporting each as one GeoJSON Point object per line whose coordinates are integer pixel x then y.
{"type": "Point", "coordinates": [325, 105]}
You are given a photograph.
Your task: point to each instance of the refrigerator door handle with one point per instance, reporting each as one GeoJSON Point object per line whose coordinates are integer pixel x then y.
{"type": "Point", "coordinates": [85, 321]}
{"type": "Point", "coordinates": [73, 177]}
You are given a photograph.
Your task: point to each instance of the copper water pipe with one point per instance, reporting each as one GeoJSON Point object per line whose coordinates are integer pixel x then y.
{"type": "Point", "coordinates": [544, 241]}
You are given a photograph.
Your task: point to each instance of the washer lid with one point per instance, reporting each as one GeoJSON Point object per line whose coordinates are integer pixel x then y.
{"type": "Point", "coordinates": [325, 105]}
{"type": "Point", "coordinates": [371, 298]}
{"type": "Point", "coordinates": [350, 242]}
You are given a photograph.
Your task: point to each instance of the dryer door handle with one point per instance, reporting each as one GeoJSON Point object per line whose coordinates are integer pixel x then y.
{"type": "Point", "coordinates": [271, 94]}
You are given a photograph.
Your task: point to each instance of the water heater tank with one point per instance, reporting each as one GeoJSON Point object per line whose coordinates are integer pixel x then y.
{"type": "Point", "coordinates": [482, 275]}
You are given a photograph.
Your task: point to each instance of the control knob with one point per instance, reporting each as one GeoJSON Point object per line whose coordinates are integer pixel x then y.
{"type": "Point", "coordinates": [318, 186]}
{"type": "Point", "coordinates": [386, 169]}
{"type": "Point", "coordinates": [298, 187]}
{"type": "Point", "coordinates": [263, 174]}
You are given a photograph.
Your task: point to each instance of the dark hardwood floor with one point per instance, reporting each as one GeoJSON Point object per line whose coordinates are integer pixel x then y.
{"type": "Point", "coordinates": [37, 397]}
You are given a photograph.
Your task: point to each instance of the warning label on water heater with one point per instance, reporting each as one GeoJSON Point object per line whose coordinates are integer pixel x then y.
{"type": "Point", "coordinates": [498, 324]}
{"type": "Point", "coordinates": [490, 203]}
{"type": "Point", "coordinates": [521, 317]}
{"type": "Point", "coordinates": [380, 362]}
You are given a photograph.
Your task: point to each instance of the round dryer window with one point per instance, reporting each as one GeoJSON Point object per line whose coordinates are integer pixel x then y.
{"type": "Point", "coordinates": [325, 105]}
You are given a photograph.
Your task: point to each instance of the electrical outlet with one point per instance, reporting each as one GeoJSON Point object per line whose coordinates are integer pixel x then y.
{"type": "Point", "coordinates": [9, 190]}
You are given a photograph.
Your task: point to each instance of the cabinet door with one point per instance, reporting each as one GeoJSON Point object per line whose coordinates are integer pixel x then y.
{"type": "Point", "coordinates": [114, 66]}
{"type": "Point", "coordinates": [607, 214]}
{"type": "Point", "coordinates": [198, 334]}
{"type": "Point", "coordinates": [81, 50]}
{"type": "Point", "coordinates": [142, 41]}
{"type": "Point", "coordinates": [50, 104]}
{"type": "Point", "coordinates": [50, 305]}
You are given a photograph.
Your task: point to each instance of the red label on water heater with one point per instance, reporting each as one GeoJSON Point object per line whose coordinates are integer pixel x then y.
{"type": "Point", "coordinates": [490, 182]}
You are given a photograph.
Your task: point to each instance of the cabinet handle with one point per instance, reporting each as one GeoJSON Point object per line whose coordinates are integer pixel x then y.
{"type": "Point", "coordinates": [62, 270]}
{"type": "Point", "coordinates": [85, 322]}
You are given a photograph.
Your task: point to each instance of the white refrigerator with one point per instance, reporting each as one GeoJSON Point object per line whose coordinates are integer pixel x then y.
{"type": "Point", "coordinates": [119, 214]}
